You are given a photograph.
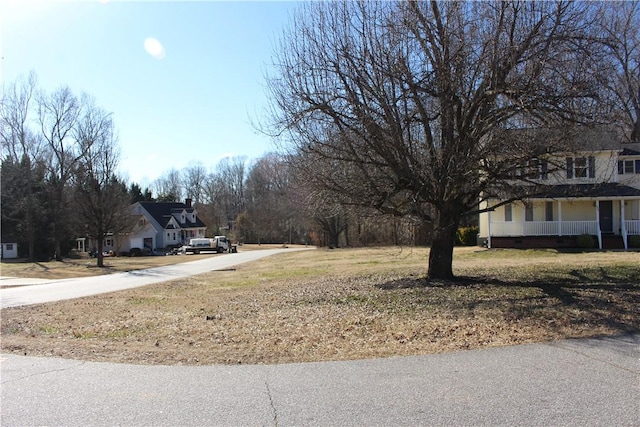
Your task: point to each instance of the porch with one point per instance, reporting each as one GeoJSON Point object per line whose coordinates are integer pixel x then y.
{"type": "Point", "coordinates": [552, 223]}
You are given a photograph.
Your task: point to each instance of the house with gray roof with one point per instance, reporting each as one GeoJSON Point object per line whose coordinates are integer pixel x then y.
{"type": "Point", "coordinates": [161, 225]}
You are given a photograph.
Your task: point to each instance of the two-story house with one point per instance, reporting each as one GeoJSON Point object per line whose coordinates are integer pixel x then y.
{"type": "Point", "coordinates": [595, 191]}
{"type": "Point", "coordinates": [161, 225]}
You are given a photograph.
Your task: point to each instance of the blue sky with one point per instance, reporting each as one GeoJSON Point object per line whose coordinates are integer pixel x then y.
{"type": "Point", "coordinates": [194, 102]}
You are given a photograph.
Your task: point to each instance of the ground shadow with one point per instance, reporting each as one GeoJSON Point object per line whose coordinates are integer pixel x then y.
{"type": "Point", "coordinates": [597, 297]}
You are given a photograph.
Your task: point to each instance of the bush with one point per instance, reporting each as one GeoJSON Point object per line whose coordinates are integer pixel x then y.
{"type": "Point", "coordinates": [585, 241]}
{"type": "Point", "coordinates": [135, 252]}
{"type": "Point", "coordinates": [634, 241]}
{"type": "Point", "coordinates": [467, 236]}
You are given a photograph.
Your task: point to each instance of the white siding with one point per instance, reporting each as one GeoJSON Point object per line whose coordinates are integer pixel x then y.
{"type": "Point", "coordinates": [9, 250]}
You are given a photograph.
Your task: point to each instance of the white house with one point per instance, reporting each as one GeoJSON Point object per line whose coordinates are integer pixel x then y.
{"type": "Point", "coordinates": [595, 192]}
{"type": "Point", "coordinates": [160, 225]}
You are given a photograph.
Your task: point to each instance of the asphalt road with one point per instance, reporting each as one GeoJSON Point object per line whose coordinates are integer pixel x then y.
{"type": "Point", "coordinates": [594, 382]}
{"type": "Point", "coordinates": [38, 291]}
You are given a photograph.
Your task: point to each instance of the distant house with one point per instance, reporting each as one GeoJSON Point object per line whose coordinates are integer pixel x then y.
{"type": "Point", "coordinates": [596, 192]}
{"type": "Point", "coordinates": [160, 225]}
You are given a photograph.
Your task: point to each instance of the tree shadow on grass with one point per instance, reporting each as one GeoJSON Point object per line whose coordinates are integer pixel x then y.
{"type": "Point", "coordinates": [595, 297]}
{"type": "Point", "coordinates": [42, 266]}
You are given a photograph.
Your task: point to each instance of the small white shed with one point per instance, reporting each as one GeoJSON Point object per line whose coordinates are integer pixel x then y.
{"type": "Point", "coordinates": [9, 250]}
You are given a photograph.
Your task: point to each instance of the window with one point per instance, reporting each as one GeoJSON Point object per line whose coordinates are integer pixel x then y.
{"type": "Point", "coordinates": [581, 167]}
{"type": "Point", "coordinates": [544, 169]}
{"type": "Point", "coordinates": [9, 246]}
{"type": "Point", "coordinates": [532, 169]}
{"type": "Point", "coordinates": [508, 213]}
{"type": "Point", "coordinates": [174, 235]}
{"type": "Point", "coordinates": [627, 167]}
{"type": "Point", "coordinates": [538, 169]}
{"type": "Point", "coordinates": [548, 211]}
{"type": "Point", "coordinates": [528, 213]}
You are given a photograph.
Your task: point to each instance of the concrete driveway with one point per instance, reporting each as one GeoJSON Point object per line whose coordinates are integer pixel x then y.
{"type": "Point", "coordinates": [593, 382]}
{"type": "Point", "coordinates": [36, 291]}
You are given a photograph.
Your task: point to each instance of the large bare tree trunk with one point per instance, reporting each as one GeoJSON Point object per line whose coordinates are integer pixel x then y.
{"type": "Point", "coordinates": [441, 253]}
{"type": "Point", "coordinates": [99, 256]}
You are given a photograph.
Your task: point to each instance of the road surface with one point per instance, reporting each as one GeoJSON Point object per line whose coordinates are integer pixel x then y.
{"type": "Point", "coordinates": [593, 382]}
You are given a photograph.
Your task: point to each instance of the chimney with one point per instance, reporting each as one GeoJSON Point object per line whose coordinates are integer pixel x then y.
{"type": "Point", "coordinates": [187, 202]}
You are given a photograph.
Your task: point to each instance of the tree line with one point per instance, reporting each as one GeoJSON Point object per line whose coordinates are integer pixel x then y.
{"type": "Point", "coordinates": [60, 181]}
{"type": "Point", "coordinates": [267, 200]}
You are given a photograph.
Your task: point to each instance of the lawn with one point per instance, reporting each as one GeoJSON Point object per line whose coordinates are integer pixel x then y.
{"type": "Point", "coordinates": [338, 305]}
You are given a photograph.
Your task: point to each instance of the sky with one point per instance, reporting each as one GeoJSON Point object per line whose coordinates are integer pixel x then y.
{"type": "Point", "coordinates": [183, 80]}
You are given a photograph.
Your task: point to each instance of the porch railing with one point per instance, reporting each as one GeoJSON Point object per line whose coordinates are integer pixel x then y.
{"type": "Point", "coordinates": [547, 228]}
{"type": "Point", "coordinates": [506, 228]}
{"type": "Point", "coordinates": [633, 227]}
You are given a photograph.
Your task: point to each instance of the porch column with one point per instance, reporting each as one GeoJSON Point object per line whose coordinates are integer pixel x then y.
{"type": "Point", "coordinates": [623, 226]}
{"type": "Point", "coordinates": [524, 219]}
{"type": "Point", "coordinates": [559, 218]}
{"type": "Point", "coordinates": [488, 228]}
{"type": "Point", "coordinates": [598, 224]}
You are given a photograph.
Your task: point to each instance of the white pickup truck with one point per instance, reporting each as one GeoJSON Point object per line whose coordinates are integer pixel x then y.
{"type": "Point", "coordinates": [217, 244]}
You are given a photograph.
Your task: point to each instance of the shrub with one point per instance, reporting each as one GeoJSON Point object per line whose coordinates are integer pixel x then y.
{"type": "Point", "coordinates": [135, 252]}
{"type": "Point", "coordinates": [634, 241]}
{"type": "Point", "coordinates": [467, 236]}
{"type": "Point", "coordinates": [585, 241]}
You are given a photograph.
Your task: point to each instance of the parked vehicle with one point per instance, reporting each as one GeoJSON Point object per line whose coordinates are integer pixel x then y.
{"type": "Point", "coordinates": [218, 244]}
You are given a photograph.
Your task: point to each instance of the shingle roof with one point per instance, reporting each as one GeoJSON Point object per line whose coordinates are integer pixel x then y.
{"type": "Point", "coordinates": [573, 191]}
{"type": "Point", "coordinates": [162, 213]}
{"type": "Point", "coordinates": [609, 189]}
{"type": "Point", "coordinates": [629, 152]}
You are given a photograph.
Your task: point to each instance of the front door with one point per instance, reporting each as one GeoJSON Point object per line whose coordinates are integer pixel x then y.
{"type": "Point", "coordinates": [606, 216]}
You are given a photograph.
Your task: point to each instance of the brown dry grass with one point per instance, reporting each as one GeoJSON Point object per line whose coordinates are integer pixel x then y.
{"type": "Point", "coordinates": [340, 304]}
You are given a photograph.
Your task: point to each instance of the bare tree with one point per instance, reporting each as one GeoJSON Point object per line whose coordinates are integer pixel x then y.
{"type": "Point", "coordinates": [195, 176]}
{"type": "Point", "coordinates": [211, 210]}
{"type": "Point", "coordinates": [169, 187]}
{"type": "Point", "coordinates": [15, 115]}
{"type": "Point", "coordinates": [101, 198]}
{"type": "Point", "coordinates": [412, 101]}
{"type": "Point", "coordinates": [619, 68]}
{"type": "Point", "coordinates": [269, 208]}
{"type": "Point", "coordinates": [58, 115]}
{"type": "Point", "coordinates": [231, 173]}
